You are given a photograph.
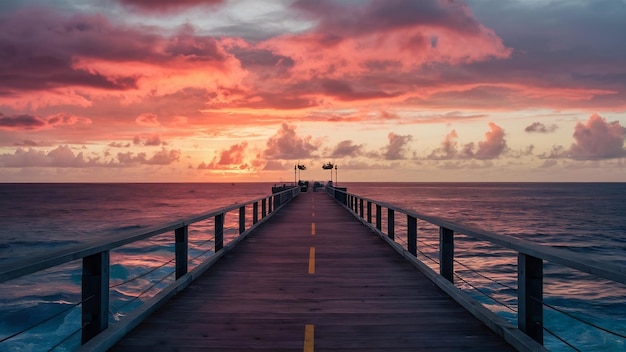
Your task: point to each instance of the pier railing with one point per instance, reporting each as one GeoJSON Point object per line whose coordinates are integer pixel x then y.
{"type": "Point", "coordinates": [95, 279]}
{"type": "Point", "coordinates": [531, 259]}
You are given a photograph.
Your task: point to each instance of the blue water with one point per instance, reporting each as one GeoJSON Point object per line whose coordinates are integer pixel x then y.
{"type": "Point", "coordinates": [584, 218]}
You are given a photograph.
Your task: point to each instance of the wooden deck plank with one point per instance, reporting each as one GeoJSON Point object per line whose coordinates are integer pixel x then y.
{"type": "Point", "coordinates": [362, 296]}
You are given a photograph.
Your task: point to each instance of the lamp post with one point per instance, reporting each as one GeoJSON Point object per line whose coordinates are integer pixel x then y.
{"type": "Point", "coordinates": [295, 179]}
{"type": "Point", "coordinates": [336, 180]}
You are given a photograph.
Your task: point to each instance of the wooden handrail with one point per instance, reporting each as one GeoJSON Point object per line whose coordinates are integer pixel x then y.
{"type": "Point", "coordinates": [96, 264]}
{"type": "Point", "coordinates": [530, 256]}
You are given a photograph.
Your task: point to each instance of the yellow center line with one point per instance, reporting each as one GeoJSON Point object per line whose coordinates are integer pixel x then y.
{"type": "Point", "coordinates": [312, 260]}
{"type": "Point", "coordinates": [308, 337]}
{"type": "Point", "coordinates": [313, 214]}
{"type": "Point", "coordinates": [312, 228]}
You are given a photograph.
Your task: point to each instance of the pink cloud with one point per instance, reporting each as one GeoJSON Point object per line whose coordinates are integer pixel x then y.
{"type": "Point", "coordinates": [148, 120]}
{"type": "Point", "coordinates": [162, 157]}
{"type": "Point", "coordinates": [62, 156]}
{"type": "Point", "coordinates": [493, 146]}
{"type": "Point", "coordinates": [384, 36]}
{"type": "Point", "coordinates": [448, 149]}
{"type": "Point", "coordinates": [30, 123]}
{"type": "Point", "coordinates": [286, 144]}
{"type": "Point", "coordinates": [347, 148]}
{"type": "Point", "coordinates": [598, 139]}
{"type": "Point", "coordinates": [51, 58]}
{"type": "Point", "coordinates": [21, 122]}
{"type": "Point", "coordinates": [538, 127]}
{"type": "Point", "coordinates": [397, 147]}
{"type": "Point", "coordinates": [165, 6]}
{"type": "Point", "coordinates": [230, 158]}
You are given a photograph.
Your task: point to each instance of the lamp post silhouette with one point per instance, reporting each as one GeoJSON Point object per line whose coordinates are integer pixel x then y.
{"type": "Point", "coordinates": [336, 179]}
{"type": "Point", "coordinates": [329, 166]}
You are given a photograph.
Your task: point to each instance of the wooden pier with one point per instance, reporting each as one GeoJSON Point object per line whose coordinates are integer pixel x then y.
{"type": "Point", "coordinates": [312, 278]}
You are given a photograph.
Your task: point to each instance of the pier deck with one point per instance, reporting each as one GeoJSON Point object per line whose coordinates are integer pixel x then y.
{"type": "Point", "coordinates": [312, 278]}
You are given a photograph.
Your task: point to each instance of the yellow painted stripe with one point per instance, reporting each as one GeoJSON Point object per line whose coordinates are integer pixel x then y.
{"type": "Point", "coordinates": [312, 260]}
{"type": "Point", "coordinates": [312, 228]}
{"type": "Point", "coordinates": [313, 214]}
{"type": "Point", "coordinates": [309, 338]}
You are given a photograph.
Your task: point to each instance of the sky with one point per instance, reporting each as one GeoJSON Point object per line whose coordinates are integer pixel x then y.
{"type": "Point", "coordinates": [244, 90]}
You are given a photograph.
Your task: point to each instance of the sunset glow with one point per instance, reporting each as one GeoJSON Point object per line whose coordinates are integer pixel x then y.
{"type": "Point", "coordinates": [243, 90]}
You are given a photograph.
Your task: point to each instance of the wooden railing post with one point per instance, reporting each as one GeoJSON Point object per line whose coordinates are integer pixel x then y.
{"type": "Point", "coordinates": [369, 211]}
{"type": "Point", "coordinates": [219, 232]}
{"type": "Point", "coordinates": [263, 208]}
{"type": "Point", "coordinates": [391, 227]}
{"type": "Point", "coordinates": [255, 212]}
{"type": "Point", "coordinates": [530, 296]}
{"type": "Point", "coordinates": [242, 219]}
{"type": "Point", "coordinates": [379, 217]}
{"type": "Point", "coordinates": [361, 207]}
{"type": "Point", "coordinates": [95, 295]}
{"type": "Point", "coordinates": [411, 238]}
{"type": "Point", "coordinates": [181, 235]}
{"type": "Point", "coordinates": [446, 253]}
{"type": "Point", "coordinates": [270, 204]}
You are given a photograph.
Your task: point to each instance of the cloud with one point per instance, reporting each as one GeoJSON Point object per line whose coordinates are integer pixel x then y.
{"type": "Point", "coordinates": [448, 149]}
{"type": "Point", "coordinates": [21, 122]}
{"type": "Point", "coordinates": [384, 35]}
{"type": "Point", "coordinates": [538, 127]}
{"type": "Point", "coordinates": [231, 158]}
{"type": "Point", "coordinates": [62, 156]}
{"type": "Point", "coordinates": [396, 148]}
{"type": "Point", "coordinates": [286, 144]}
{"type": "Point", "coordinates": [598, 139]}
{"type": "Point", "coordinates": [165, 6]}
{"type": "Point", "coordinates": [29, 122]}
{"type": "Point", "coordinates": [162, 157]}
{"type": "Point", "coordinates": [347, 148]}
{"type": "Point", "coordinates": [148, 120]}
{"type": "Point", "coordinates": [493, 146]}
{"type": "Point", "coordinates": [52, 58]}
{"type": "Point", "coordinates": [154, 141]}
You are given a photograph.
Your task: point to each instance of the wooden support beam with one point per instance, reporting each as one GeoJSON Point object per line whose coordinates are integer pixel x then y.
{"type": "Point", "coordinates": [255, 212]}
{"type": "Point", "coordinates": [391, 227]}
{"type": "Point", "coordinates": [379, 217]}
{"type": "Point", "coordinates": [530, 296]}
{"type": "Point", "coordinates": [95, 295]}
{"type": "Point", "coordinates": [411, 238]}
{"type": "Point", "coordinates": [446, 253]}
{"type": "Point", "coordinates": [219, 232]}
{"type": "Point", "coordinates": [263, 207]}
{"type": "Point", "coordinates": [361, 207]}
{"type": "Point", "coordinates": [181, 249]}
{"type": "Point", "coordinates": [242, 219]}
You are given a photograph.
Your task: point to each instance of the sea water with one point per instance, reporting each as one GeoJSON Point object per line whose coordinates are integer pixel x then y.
{"type": "Point", "coordinates": [586, 218]}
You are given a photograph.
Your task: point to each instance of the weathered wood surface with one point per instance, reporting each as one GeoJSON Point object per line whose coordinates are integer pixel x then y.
{"type": "Point", "coordinates": [361, 296]}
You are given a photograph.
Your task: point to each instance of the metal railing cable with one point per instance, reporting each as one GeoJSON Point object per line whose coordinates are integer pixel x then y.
{"type": "Point", "coordinates": [485, 293]}
{"type": "Point", "coordinates": [561, 339]}
{"type": "Point", "coordinates": [581, 320]}
{"type": "Point", "coordinates": [143, 274]}
{"type": "Point", "coordinates": [144, 291]}
{"type": "Point", "coordinates": [41, 322]}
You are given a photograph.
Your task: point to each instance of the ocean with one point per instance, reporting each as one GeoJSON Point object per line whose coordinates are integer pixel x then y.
{"type": "Point", "coordinates": [586, 218]}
